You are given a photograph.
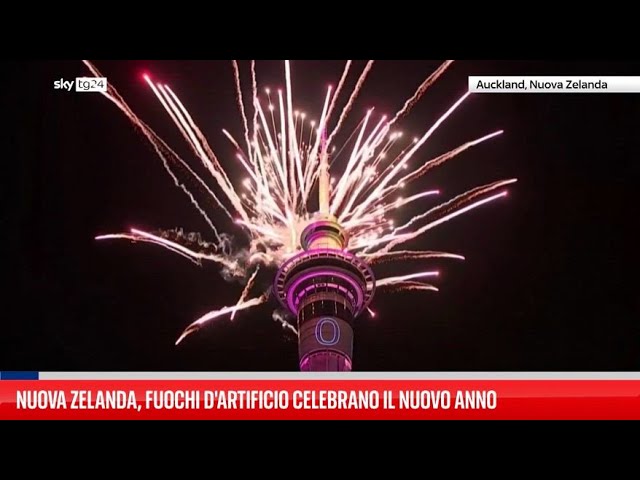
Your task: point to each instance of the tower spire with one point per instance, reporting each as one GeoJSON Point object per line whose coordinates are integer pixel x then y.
{"type": "Point", "coordinates": [324, 179]}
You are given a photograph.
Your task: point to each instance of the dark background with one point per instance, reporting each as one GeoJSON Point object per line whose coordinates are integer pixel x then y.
{"type": "Point", "coordinates": [548, 282]}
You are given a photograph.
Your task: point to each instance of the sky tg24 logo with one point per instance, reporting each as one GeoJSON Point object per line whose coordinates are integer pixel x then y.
{"type": "Point", "coordinates": [82, 84]}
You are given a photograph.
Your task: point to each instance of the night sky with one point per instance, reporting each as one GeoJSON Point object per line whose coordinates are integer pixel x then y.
{"type": "Point", "coordinates": [548, 283]}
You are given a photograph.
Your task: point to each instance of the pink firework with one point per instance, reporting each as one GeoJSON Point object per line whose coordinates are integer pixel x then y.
{"type": "Point", "coordinates": [284, 155]}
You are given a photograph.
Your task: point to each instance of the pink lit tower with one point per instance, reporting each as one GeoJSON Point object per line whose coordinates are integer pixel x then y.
{"type": "Point", "coordinates": [325, 287]}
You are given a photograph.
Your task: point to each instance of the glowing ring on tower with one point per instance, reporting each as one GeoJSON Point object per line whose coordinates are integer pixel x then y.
{"type": "Point", "coordinates": [296, 294]}
{"type": "Point", "coordinates": [353, 277]}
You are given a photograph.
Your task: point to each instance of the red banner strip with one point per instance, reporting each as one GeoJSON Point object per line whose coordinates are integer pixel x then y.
{"type": "Point", "coordinates": [319, 399]}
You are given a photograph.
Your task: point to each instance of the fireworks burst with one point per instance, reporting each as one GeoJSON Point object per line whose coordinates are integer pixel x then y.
{"type": "Point", "coordinates": [287, 183]}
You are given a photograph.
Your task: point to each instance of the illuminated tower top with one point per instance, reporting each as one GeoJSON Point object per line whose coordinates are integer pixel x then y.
{"type": "Point", "coordinates": [323, 234]}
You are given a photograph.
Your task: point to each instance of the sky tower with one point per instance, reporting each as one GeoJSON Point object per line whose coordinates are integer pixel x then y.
{"type": "Point", "coordinates": [325, 287]}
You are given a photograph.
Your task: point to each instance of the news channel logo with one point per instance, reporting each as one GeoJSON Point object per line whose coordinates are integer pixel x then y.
{"type": "Point", "coordinates": [82, 84]}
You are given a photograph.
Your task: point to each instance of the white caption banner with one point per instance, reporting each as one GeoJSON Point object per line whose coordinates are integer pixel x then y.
{"type": "Point", "coordinates": [556, 84]}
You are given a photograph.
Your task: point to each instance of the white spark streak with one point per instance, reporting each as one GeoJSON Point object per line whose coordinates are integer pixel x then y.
{"type": "Point", "coordinates": [403, 278]}
{"type": "Point", "coordinates": [219, 313]}
{"type": "Point", "coordinates": [247, 289]}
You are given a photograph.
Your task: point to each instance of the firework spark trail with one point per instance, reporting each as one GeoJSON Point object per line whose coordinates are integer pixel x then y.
{"type": "Point", "coordinates": [138, 238]}
{"type": "Point", "coordinates": [264, 177]}
{"type": "Point", "coordinates": [409, 236]}
{"type": "Point", "coordinates": [455, 206]}
{"type": "Point", "coordinates": [165, 102]}
{"type": "Point", "coordinates": [409, 104]}
{"type": "Point", "coordinates": [455, 202]}
{"type": "Point", "coordinates": [280, 318]}
{"type": "Point", "coordinates": [379, 190]}
{"type": "Point", "coordinates": [258, 166]}
{"type": "Point", "coordinates": [258, 188]}
{"type": "Point", "coordinates": [234, 142]}
{"type": "Point", "coordinates": [273, 151]}
{"type": "Point", "coordinates": [336, 154]}
{"type": "Point", "coordinates": [254, 95]}
{"type": "Point", "coordinates": [391, 175]}
{"type": "Point", "coordinates": [345, 73]}
{"type": "Point", "coordinates": [407, 286]}
{"type": "Point", "coordinates": [182, 119]}
{"type": "Point", "coordinates": [402, 255]}
{"type": "Point", "coordinates": [286, 158]}
{"type": "Point", "coordinates": [199, 143]}
{"type": "Point", "coordinates": [246, 290]}
{"type": "Point", "coordinates": [403, 278]}
{"type": "Point", "coordinates": [447, 156]}
{"type": "Point", "coordinates": [404, 201]}
{"type": "Point", "coordinates": [271, 171]}
{"type": "Point", "coordinates": [358, 176]}
{"type": "Point", "coordinates": [246, 166]}
{"type": "Point", "coordinates": [293, 143]}
{"type": "Point", "coordinates": [219, 313]}
{"type": "Point", "coordinates": [245, 122]}
{"type": "Point", "coordinates": [196, 140]}
{"type": "Point", "coordinates": [96, 73]}
{"type": "Point", "coordinates": [231, 266]}
{"type": "Point", "coordinates": [400, 202]}
{"type": "Point", "coordinates": [352, 99]}
{"type": "Point", "coordinates": [355, 155]}
{"type": "Point", "coordinates": [417, 95]}
{"type": "Point", "coordinates": [282, 173]}
{"type": "Point", "coordinates": [176, 115]}
{"type": "Point", "coordinates": [204, 145]}
{"type": "Point", "coordinates": [161, 149]}
{"type": "Point", "coordinates": [414, 99]}
{"type": "Point", "coordinates": [142, 236]}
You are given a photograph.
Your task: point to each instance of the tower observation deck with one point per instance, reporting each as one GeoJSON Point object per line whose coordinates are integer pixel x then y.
{"type": "Point", "coordinates": [326, 288]}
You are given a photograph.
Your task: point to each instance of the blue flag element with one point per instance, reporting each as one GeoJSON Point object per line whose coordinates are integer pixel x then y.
{"type": "Point", "coordinates": [18, 375]}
